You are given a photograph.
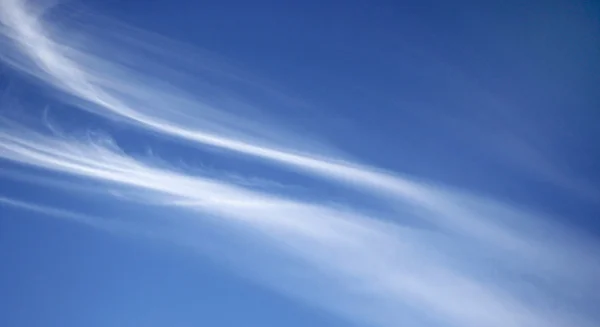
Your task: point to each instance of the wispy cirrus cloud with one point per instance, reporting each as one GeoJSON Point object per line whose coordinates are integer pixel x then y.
{"type": "Point", "coordinates": [374, 262]}
{"type": "Point", "coordinates": [370, 266]}
{"type": "Point", "coordinates": [112, 90]}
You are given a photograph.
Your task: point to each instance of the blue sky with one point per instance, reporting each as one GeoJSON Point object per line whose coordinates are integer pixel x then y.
{"type": "Point", "coordinates": [268, 163]}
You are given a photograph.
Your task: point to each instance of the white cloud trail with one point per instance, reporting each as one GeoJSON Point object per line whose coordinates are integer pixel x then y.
{"type": "Point", "coordinates": [375, 266]}
{"type": "Point", "coordinates": [111, 90]}
{"type": "Point", "coordinates": [381, 265]}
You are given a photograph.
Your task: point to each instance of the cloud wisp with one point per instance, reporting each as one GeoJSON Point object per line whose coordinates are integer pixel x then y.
{"type": "Point", "coordinates": [374, 265]}
{"type": "Point", "coordinates": [105, 87]}
{"type": "Point", "coordinates": [370, 260]}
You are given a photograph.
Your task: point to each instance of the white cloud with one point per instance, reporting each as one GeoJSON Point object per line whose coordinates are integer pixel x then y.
{"type": "Point", "coordinates": [175, 114]}
{"type": "Point", "coordinates": [365, 267]}
{"type": "Point", "coordinates": [370, 260]}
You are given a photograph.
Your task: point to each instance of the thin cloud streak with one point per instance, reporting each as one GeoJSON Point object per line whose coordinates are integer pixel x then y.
{"type": "Point", "coordinates": [111, 226]}
{"type": "Point", "coordinates": [68, 68]}
{"type": "Point", "coordinates": [380, 265]}
{"type": "Point", "coordinates": [372, 260]}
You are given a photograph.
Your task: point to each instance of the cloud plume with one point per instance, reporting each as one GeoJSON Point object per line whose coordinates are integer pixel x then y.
{"type": "Point", "coordinates": [375, 269]}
